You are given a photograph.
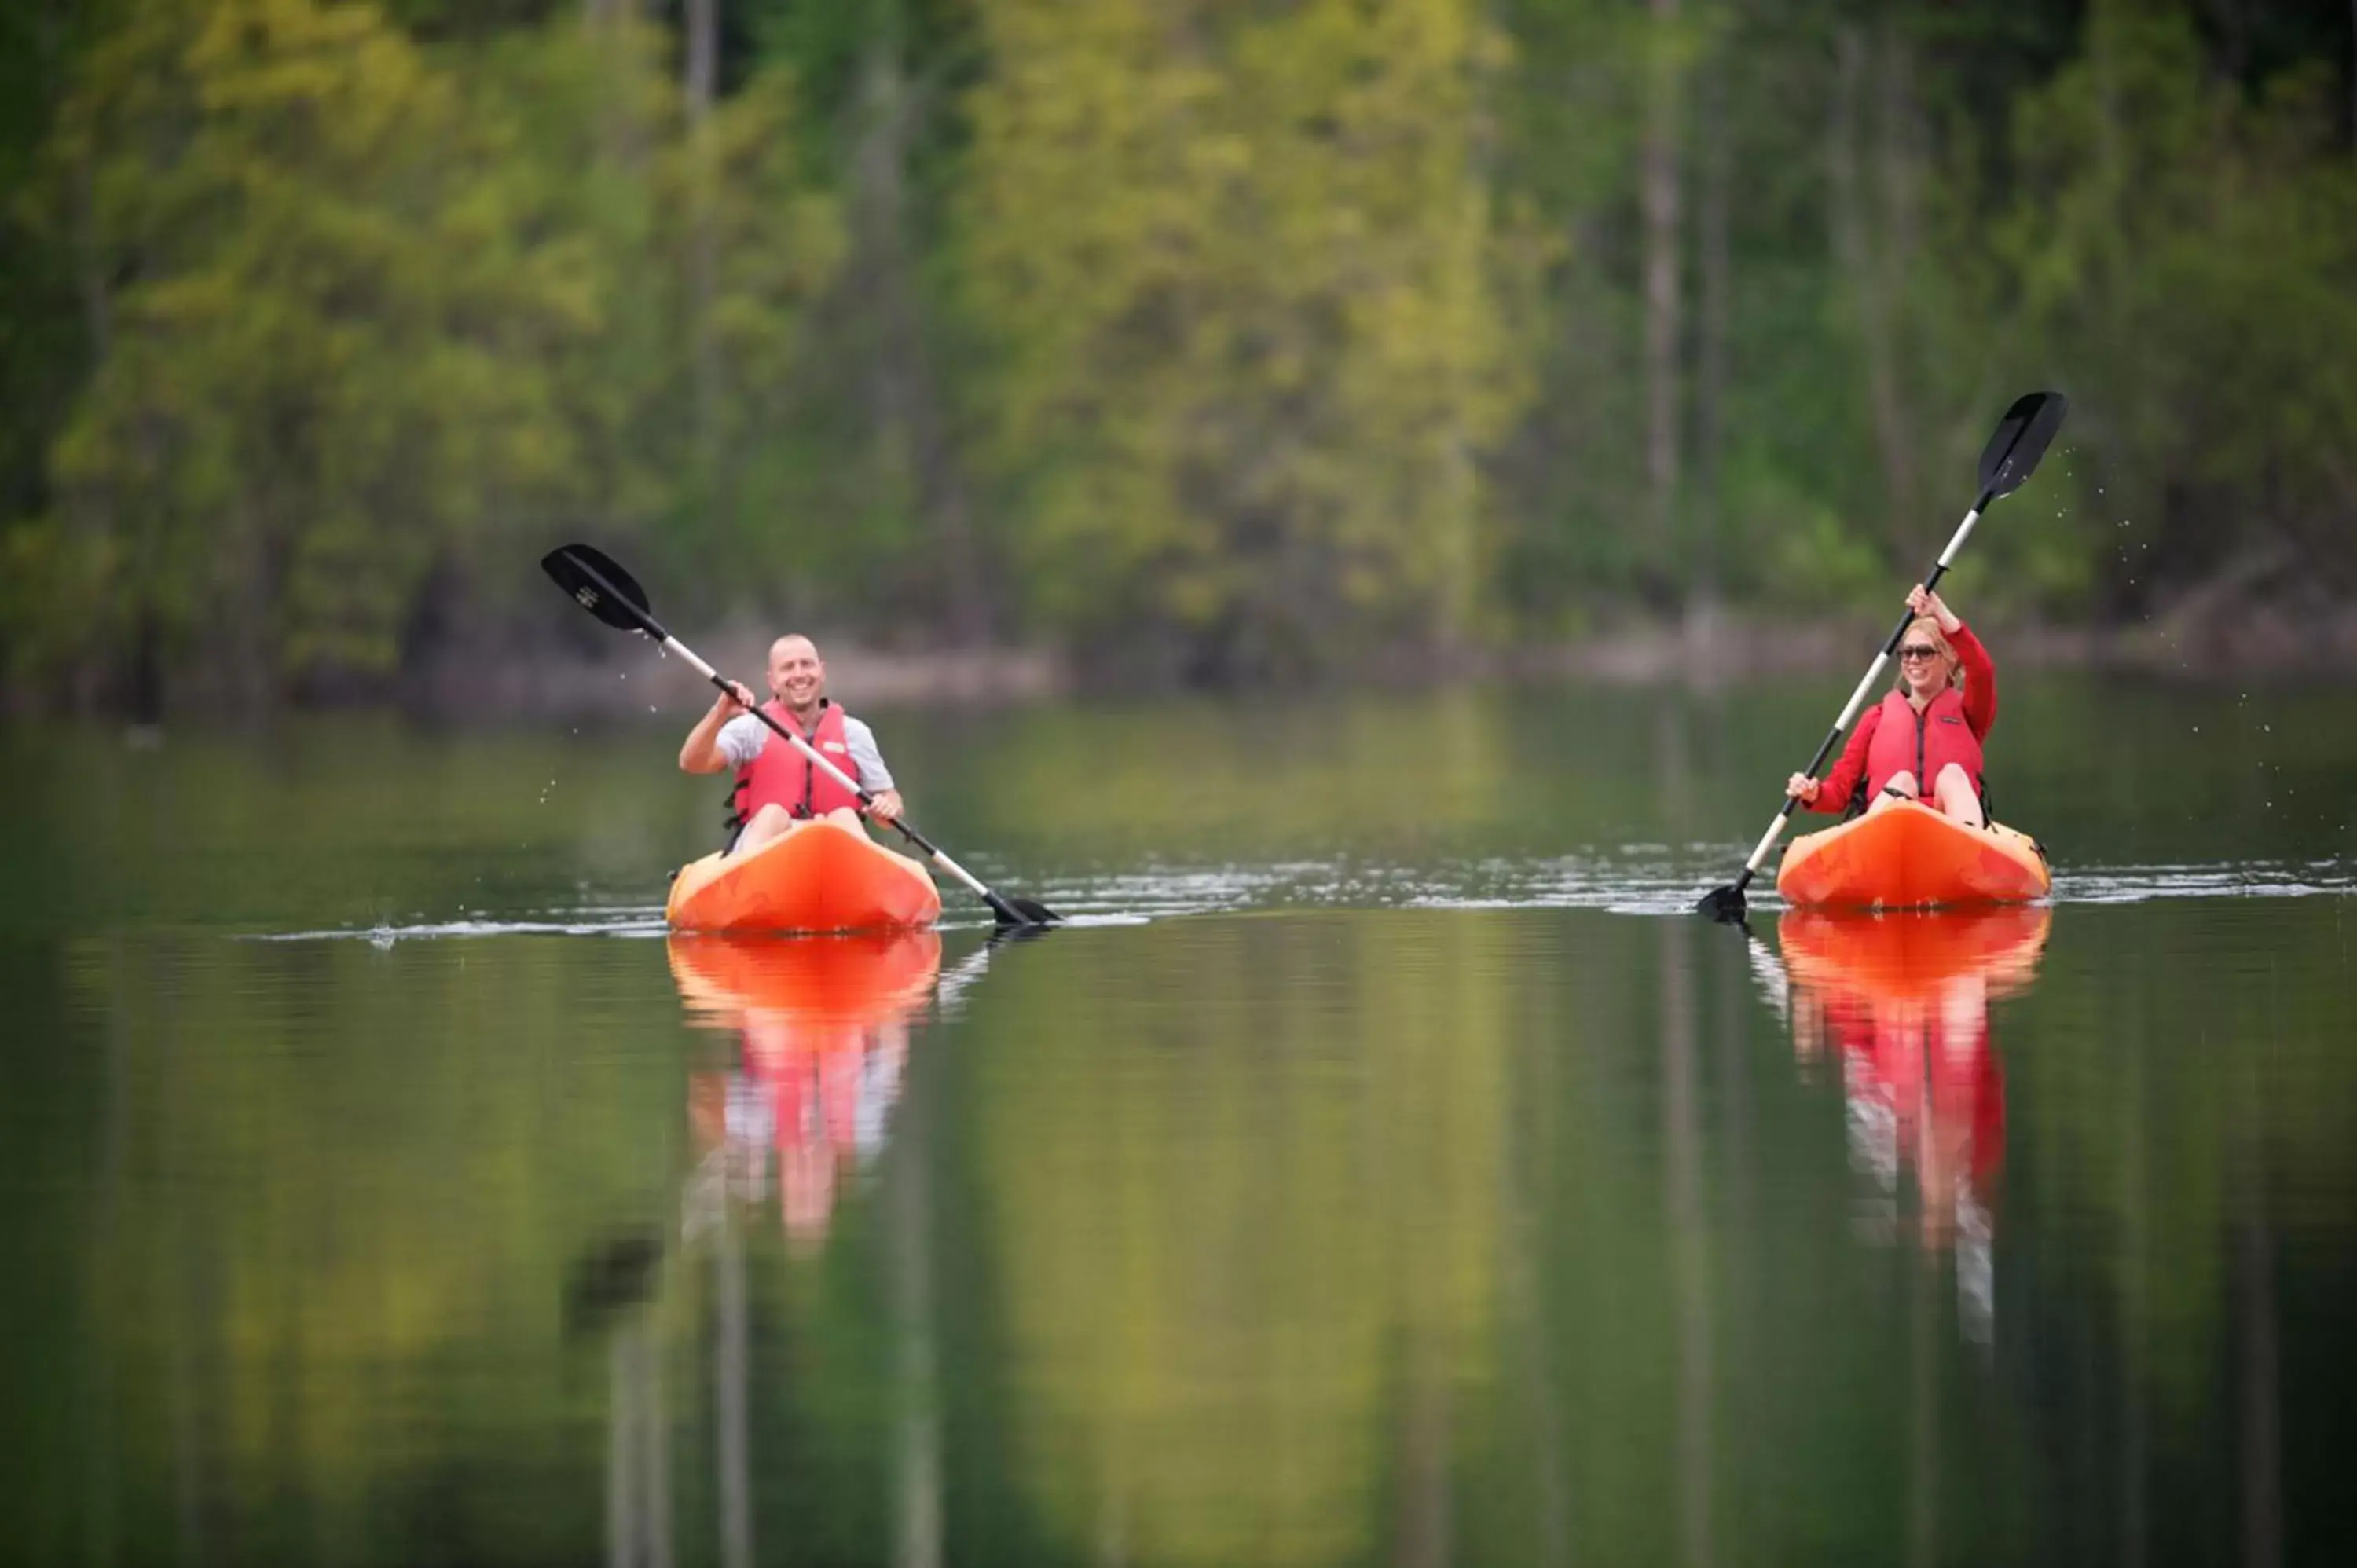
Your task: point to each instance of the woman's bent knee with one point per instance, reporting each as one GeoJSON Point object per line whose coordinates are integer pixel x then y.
{"type": "Point", "coordinates": [1960, 797]}
{"type": "Point", "coordinates": [1898, 787]}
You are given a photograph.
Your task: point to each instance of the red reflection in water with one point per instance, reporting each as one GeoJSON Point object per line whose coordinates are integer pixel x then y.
{"type": "Point", "coordinates": [1900, 1003]}
{"type": "Point", "coordinates": [824, 1028]}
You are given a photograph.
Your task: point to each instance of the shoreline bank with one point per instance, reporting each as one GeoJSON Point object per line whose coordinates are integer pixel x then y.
{"type": "Point", "coordinates": [1703, 649]}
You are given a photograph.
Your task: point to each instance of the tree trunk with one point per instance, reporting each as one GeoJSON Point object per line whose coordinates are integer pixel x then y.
{"type": "Point", "coordinates": [1660, 191]}
{"type": "Point", "coordinates": [93, 512]}
{"type": "Point", "coordinates": [1717, 284]}
{"type": "Point", "coordinates": [907, 403]}
{"type": "Point", "coordinates": [1862, 272]}
{"type": "Point", "coordinates": [700, 64]}
{"type": "Point", "coordinates": [700, 72]}
{"type": "Point", "coordinates": [1896, 138]}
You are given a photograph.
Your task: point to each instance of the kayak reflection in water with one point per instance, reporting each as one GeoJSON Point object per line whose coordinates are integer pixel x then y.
{"type": "Point", "coordinates": [777, 787]}
{"type": "Point", "coordinates": [1901, 1003]}
{"type": "Point", "coordinates": [1931, 727]}
{"type": "Point", "coordinates": [825, 1032]}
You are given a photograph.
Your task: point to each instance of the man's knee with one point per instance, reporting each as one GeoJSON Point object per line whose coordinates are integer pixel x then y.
{"type": "Point", "coordinates": [771, 821]}
{"type": "Point", "coordinates": [1953, 777]}
{"type": "Point", "coordinates": [1902, 783]}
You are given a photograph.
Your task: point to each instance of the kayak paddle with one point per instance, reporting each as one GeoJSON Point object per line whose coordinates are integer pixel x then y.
{"type": "Point", "coordinates": [2012, 452]}
{"type": "Point", "coordinates": [614, 596]}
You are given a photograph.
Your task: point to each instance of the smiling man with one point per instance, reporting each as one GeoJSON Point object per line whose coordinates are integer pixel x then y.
{"type": "Point", "coordinates": [777, 787]}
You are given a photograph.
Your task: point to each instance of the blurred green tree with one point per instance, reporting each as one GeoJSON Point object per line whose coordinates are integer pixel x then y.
{"type": "Point", "coordinates": [1244, 282]}
{"type": "Point", "coordinates": [368, 325]}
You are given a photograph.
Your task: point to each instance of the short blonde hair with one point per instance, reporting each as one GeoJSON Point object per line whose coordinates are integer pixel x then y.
{"type": "Point", "coordinates": [1930, 625]}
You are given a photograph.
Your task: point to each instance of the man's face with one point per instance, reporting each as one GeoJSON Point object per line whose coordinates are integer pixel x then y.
{"type": "Point", "coordinates": [796, 675]}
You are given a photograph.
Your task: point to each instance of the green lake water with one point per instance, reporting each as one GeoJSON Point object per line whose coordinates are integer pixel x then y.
{"type": "Point", "coordinates": [1381, 1168]}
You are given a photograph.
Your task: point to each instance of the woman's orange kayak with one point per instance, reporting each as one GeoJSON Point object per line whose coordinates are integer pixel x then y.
{"type": "Point", "coordinates": [820, 877]}
{"type": "Point", "coordinates": [1909, 856]}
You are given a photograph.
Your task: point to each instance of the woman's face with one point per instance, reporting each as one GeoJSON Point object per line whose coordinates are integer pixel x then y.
{"type": "Point", "coordinates": [1922, 663]}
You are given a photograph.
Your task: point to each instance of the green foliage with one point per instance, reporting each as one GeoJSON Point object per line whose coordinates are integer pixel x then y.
{"type": "Point", "coordinates": [2191, 253]}
{"type": "Point", "coordinates": [1207, 338]}
{"type": "Point", "coordinates": [1239, 269]}
{"type": "Point", "coordinates": [377, 321]}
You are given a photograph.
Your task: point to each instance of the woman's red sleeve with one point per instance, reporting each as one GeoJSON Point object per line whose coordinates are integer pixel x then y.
{"type": "Point", "coordinates": [1834, 794]}
{"type": "Point", "coordinates": [1980, 681]}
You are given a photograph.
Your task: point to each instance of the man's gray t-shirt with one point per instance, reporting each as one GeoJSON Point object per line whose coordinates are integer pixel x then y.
{"type": "Point", "coordinates": [742, 738]}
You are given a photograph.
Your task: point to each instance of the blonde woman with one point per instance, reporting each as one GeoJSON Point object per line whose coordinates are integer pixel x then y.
{"type": "Point", "coordinates": [1930, 728]}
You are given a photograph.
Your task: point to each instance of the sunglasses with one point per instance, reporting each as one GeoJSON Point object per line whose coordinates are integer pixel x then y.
{"type": "Point", "coordinates": [1919, 650]}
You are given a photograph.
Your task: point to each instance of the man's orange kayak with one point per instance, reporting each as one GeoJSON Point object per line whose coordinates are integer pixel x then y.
{"type": "Point", "coordinates": [1909, 856]}
{"type": "Point", "coordinates": [820, 877]}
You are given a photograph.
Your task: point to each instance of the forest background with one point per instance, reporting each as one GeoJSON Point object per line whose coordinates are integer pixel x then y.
{"type": "Point", "coordinates": [1187, 341]}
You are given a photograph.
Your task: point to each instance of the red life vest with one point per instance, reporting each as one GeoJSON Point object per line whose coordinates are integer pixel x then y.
{"type": "Point", "coordinates": [1921, 744]}
{"type": "Point", "coordinates": [780, 775]}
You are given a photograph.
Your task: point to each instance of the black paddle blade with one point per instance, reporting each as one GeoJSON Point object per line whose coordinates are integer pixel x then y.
{"type": "Point", "coordinates": [2020, 440]}
{"type": "Point", "coordinates": [1027, 912]}
{"type": "Point", "coordinates": [1723, 904]}
{"type": "Point", "coordinates": [599, 586]}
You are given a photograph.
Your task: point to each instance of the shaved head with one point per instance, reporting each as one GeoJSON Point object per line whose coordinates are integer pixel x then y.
{"type": "Point", "coordinates": [797, 674]}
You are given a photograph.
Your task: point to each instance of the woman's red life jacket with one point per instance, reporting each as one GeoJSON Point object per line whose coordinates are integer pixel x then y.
{"type": "Point", "coordinates": [1921, 744]}
{"type": "Point", "coordinates": [780, 775]}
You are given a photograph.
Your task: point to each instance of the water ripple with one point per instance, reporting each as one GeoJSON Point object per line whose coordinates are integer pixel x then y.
{"type": "Point", "coordinates": [1635, 879]}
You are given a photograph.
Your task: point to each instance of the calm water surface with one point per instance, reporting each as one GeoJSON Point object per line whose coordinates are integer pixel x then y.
{"type": "Point", "coordinates": [1380, 1170]}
